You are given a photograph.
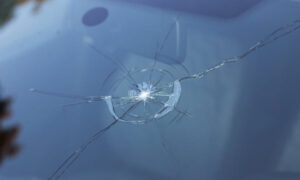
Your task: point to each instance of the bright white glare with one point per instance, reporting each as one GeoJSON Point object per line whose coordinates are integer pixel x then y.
{"type": "Point", "coordinates": [144, 95]}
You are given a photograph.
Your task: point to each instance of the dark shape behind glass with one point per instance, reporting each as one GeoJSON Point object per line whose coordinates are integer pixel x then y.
{"type": "Point", "coordinates": [95, 16]}
{"type": "Point", "coordinates": [8, 147]}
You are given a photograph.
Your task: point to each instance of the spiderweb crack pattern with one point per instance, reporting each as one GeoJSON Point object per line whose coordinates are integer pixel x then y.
{"type": "Point", "coordinates": [157, 87]}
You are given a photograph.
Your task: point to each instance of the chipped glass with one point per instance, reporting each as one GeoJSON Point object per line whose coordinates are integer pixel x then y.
{"type": "Point", "coordinates": [150, 91]}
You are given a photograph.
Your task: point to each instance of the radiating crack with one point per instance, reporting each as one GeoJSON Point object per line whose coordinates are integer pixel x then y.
{"type": "Point", "coordinates": [152, 98]}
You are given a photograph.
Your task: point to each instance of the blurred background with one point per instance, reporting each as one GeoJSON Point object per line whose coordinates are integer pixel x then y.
{"type": "Point", "coordinates": [245, 116]}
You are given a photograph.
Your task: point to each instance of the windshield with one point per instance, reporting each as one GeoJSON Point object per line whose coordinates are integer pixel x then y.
{"type": "Point", "coordinates": [152, 89]}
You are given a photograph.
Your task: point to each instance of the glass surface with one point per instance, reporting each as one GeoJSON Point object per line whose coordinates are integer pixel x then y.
{"type": "Point", "coordinates": [239, 121]}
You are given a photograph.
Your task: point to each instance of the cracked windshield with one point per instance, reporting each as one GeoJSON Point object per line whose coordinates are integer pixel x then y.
{"type": "Point", "coordinates": [149, 89]}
